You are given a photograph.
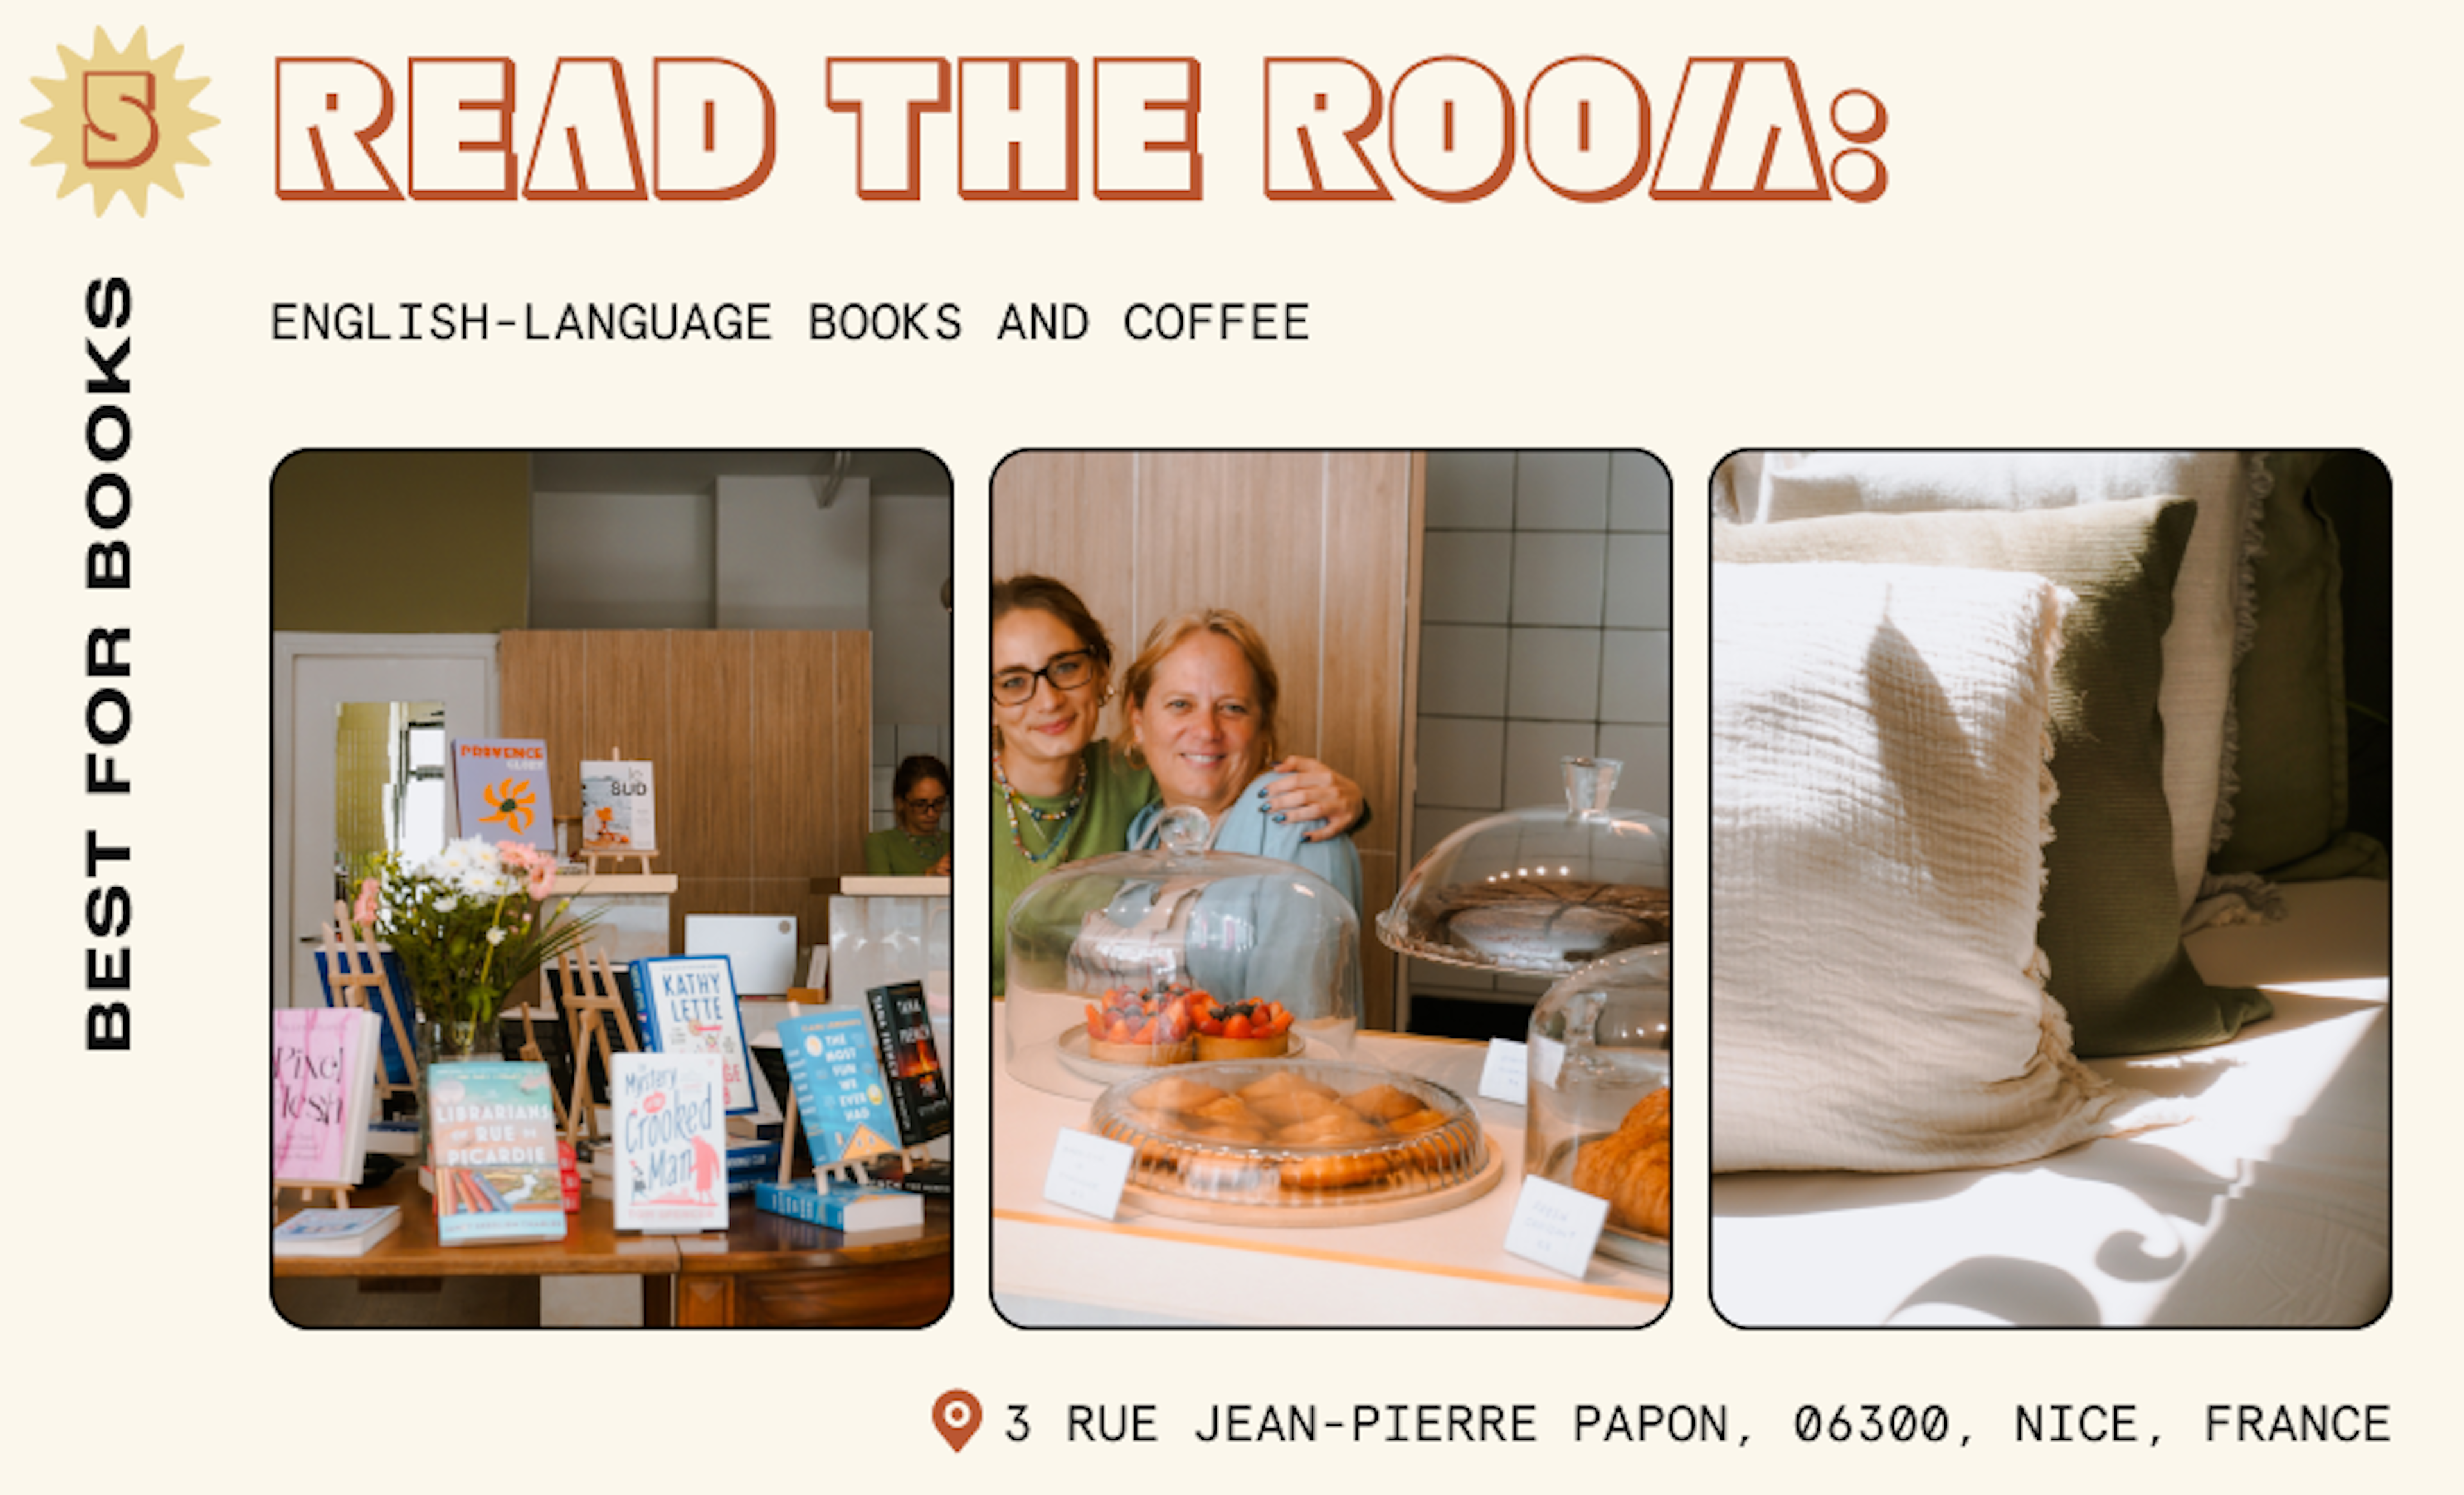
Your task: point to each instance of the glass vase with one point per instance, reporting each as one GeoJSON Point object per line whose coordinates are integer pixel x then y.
{"type": "Point", "coordinates": [451, 1038]}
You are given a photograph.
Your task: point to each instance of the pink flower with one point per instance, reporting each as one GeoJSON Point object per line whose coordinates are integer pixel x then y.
{"type": "Point", "coordinates": [522, 856]}
{"type": "Point", "coordinates": [364, 911]}
{"type": "Point", "coordinates": [542, 881]}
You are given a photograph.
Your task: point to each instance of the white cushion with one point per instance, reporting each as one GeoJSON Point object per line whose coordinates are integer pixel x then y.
{"type": "Point", "coordinates": [1880, 802]}
{"type": "Point", "coordinates": [2213, 616]}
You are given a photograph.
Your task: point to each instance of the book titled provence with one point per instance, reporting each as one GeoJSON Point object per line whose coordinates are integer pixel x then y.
{"type": "Point", "coordinates": [493, 1154]}
{"type": "Point", "coordinates": [670, 1142]}
{"type": "Point", "coordinates": [842, 1094]}
{"type": "Point", "coordinates": [324, 1089]}
{"type": "Point", "coordinates": [500, 789]}
{"type": "Point", "coordinates": [688, 1005]}
{"type": "Point", "coordinates": [619, 806]}
{"type": "Point", "coordinates": [902, 1033]}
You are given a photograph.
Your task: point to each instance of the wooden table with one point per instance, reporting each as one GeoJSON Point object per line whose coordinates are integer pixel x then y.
{"type": "Point", "coordinates": [775, 1272]}
{"type": "Point", "coordinates": [765, 1271]}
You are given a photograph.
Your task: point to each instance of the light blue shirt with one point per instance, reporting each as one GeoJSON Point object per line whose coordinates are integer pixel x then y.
{"type": "Point", "coordinates": [1286, 956]}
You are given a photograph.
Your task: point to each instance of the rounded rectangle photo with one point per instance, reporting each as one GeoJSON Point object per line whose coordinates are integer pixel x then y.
{"type": "Point", "coordinates": [2051, 929]}
{"type": "Point", "coordinates": [1331, 888]}
{"type": "Point", "coordinates": [597, 774]}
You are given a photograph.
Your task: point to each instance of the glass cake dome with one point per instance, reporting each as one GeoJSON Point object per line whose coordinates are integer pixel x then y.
{"type": "Point", "coordinates": [1122, 967]}
{"type": "Point", "coordinates": [1597, 1103]}
{"type": "Point", "coordinates": [1539, 891]}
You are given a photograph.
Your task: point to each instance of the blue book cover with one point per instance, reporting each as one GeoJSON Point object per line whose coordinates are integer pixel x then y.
{"type": "Point", "coordinates": [492, 1153]}
{"type": "Point", "coordinates": [396, 1072]}
{"type": "Point", "coordinates": [686, 1004]}
{"type": "Point", "coordinates": [840, 1206]}
{"type": "Point", "coordinates": [842, 1096]}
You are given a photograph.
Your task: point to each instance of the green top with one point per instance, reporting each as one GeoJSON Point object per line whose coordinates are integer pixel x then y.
{"type": "Point", "coordinates": [894, 853]}
{"type": "Point", "coordinates": [1116, 793]}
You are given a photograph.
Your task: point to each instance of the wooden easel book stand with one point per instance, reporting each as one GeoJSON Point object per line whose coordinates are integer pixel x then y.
{"type": "Point", "coordinates": [845, 1170]}
{"type": "Point", "coordinates": [354, 970]}
{"type": "Point", "coordinates": [591, 1001]}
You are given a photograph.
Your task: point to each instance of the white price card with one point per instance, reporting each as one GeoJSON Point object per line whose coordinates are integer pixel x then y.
{"type": "Point", "coordinates": [1501, 1076]}
{"type": "Point", "coordinates": [1556, 1227]}
{"type": "Point", "coordinates": [1089, 1173]}
{"type": "Point", "coordinates": [1547, 1057]}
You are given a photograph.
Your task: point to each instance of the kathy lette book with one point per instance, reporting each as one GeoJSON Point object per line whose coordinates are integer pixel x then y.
{"type": "Point", "coordinates": [493, 1154]}
{"type": "Point", "coordinates": [500, 789]}
{"type": "Point", "coordinates": [687, 1005]}
{"type": "Point", "coordinates": [670, 1142]}
{"type": "Point", "coordinates": [324, 1091]}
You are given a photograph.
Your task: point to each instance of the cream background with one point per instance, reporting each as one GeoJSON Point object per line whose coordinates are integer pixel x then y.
{"type": "Point", "coordinates": [2106, 226]}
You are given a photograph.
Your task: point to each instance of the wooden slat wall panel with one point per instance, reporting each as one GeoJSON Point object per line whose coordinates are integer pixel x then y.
{"type": "Point", "coordinates": [1316, 549]}
{"type": "Point", "coordinates": [626, 705]}
{"type": "Point", "coordinates": [762, 743]}
{"type": "Point", "coordinates": [852, 772]}
{"type": "Point", "coordinates": [1245, 531]}
{"type": "Point", "coordinates": [540, 694]}
{"type": "Point", "coordinates": [1367, 620]}
{"type": "Point", "coordinates": [709, 686]}
{"type": "Point", "coordinates": [1074, 515]}
{"type": "Point", "coordinates": [795, 752]}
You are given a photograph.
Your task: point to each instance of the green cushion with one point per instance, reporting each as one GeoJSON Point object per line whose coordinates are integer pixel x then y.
{"type": "Point", "coordinates": [2288, 691]}
{"type": "Point", "coordinates": [2111, 928]}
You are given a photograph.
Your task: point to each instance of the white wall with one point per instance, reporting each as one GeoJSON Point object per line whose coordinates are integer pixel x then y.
{"type": "Point", "coordinates": [623, 560]}
{"type": "Point", "coordinates": [911, 538]}
{"type": "Point", "coordinates": [785, 561]}
{"type": "Point", "coordinates": [1544, 633]}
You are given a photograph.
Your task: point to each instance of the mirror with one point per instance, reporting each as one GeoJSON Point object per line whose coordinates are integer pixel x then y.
{"type": "Point", "coordinates": [389, 791]}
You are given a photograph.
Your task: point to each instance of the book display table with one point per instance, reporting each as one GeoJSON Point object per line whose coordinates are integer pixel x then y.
{"type": "Point", "coordinates": [1055, 1265]}
{"type": "Point", "coordinates": [765, 1271]}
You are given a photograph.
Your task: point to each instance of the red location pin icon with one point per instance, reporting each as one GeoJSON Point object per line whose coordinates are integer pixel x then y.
{"type": "Point", "coordinates": [956, 1417]}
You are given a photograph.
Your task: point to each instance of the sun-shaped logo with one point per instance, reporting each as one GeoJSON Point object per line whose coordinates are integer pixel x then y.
{"type": "Point", "coordinates": [121, 122]}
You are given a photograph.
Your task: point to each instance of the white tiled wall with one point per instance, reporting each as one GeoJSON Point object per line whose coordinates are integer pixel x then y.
{"type": "Point", "coordinates": [891, 745]}
{"type": "Point", "coordinates": [1545, 609]}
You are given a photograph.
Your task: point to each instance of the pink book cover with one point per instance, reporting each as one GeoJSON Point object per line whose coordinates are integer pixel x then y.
{"type": "Point", "coordinates": [316, 1073]}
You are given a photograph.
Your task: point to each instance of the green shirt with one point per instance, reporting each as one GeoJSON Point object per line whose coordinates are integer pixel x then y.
{"type": "Point", "coordinates": [894, 853]}
{"type": "Point", "coordinates": [1116, 793]}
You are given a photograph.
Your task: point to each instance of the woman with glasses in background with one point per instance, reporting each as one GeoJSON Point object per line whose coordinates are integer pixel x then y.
{"type": "Point", "coordinates": [918, 845]}
{"type": "Point", "coordinates": [1062, 792]}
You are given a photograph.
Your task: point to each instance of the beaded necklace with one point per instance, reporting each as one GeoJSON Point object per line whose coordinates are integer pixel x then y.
{"type": "Point", "coordinates": [1012, 801]}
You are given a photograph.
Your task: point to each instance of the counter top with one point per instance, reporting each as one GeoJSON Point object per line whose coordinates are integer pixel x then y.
{"type": "Point", "coordinates": [1053, 1265]}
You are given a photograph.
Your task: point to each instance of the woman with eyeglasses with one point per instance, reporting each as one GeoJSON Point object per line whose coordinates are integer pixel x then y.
{"type": "Point", "coordinates": [918, 845]}
{"type": "Point", "coordinates": [1060, 791]}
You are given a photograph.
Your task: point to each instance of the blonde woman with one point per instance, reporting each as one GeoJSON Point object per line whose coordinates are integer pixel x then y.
{"type": "Point", "coordinates": [1059, 792]}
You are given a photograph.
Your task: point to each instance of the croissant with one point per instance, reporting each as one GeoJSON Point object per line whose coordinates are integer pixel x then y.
{"type": "Point", "coordinates": [1629, 1168]}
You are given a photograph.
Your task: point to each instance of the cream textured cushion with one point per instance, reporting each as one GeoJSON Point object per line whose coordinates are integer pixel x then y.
{"type": "Point", "coordinates": [2214, 612]}
{"type": "Point", "coordinates": [1880, 803]}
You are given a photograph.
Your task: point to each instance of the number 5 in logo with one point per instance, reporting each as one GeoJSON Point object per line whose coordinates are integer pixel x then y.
{"type": "Point", "coordinates": [120, 133]}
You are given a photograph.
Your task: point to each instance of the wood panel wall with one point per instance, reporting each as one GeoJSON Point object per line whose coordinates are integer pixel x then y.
{"type": "Point", "coordinates": [1317, 549]}
{"type": "Point", "coordinates": [761, 742]}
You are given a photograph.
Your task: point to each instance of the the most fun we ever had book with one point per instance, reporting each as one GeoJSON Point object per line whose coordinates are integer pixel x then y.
{"type": "Point", "coordinates": [491, 1153]}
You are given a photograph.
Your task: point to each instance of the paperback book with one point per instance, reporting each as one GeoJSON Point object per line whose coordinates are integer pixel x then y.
{"type": "Point", "coordinates": [324, 1093]}
{"type": "Point", "coordinates": [842, 1094]}
{"type": "Point", "coordinates": [619, 806]}
{"type": "Point", "coordinates": [671, 1143]}
{"type": "Point", "coordinates": [849, 1207]}
{"type": "Point", "coordinates": [493, 1154]}
{"type": "Point", "coordinates": [501, 790]}
{"type": "Point", "coordinates": [902, 1032]}
{"type": "Point", "coordinates": [347, 1231]}
{"type": "Point", "coordinates": [687, 1004]}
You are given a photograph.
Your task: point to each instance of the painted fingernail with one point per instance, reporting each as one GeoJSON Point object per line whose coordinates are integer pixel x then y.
{"type": "Point", "coordinates": [1279, 820]}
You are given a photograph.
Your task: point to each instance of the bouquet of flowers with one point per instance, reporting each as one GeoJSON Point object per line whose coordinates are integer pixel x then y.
{"type": "Point", "coordinates": [464, 924]}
